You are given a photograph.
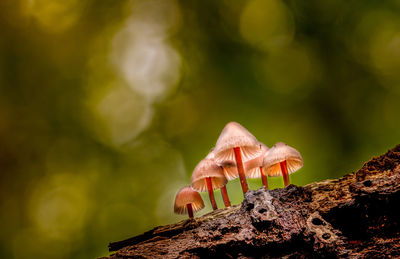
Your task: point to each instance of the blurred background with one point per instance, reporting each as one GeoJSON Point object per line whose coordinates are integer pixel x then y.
{"type": "Point", "coordinates": [106, 107]}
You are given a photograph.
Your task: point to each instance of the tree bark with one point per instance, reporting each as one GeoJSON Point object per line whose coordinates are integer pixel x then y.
{"type": "Point", "coordinates": [351, 217]}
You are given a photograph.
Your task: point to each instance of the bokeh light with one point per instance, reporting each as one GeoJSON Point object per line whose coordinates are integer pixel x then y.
{"type": "Point", "coordinates": [59, 206]}
{"type": "Point", "coordinates": [141, 50]}
{"type": "Point", "coordinates": [125, 114]}
{"type": "Point", "coordinates": [54, 16]}
{"type": "Point", "coordinates": [287, 70]}
{"type": "Point", "coordinates": [267, 24]}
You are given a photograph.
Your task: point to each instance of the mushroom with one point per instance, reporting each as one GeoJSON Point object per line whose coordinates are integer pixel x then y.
{"type": "Point", "coordinates": [224, 192]}
{"type": "Point", "coordinates": [188, 201]}
{"type": "Point", "coordinates": [225, 197]}
{"type": "Point", "coordinates": [209, 176]}
{"type": "Point", "coordinates": [235, 145]}
{"type": "Point", "coordinates": [254, 167]}
{"type": "Point", "coordinates": [283, 160]}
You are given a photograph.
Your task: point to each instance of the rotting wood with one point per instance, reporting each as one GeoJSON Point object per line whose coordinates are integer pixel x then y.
{"type": "Point", "coordinates": [351, 217]}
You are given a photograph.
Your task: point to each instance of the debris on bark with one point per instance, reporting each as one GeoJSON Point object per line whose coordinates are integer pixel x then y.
{"type": "Point", "coordinates": [351, 217]}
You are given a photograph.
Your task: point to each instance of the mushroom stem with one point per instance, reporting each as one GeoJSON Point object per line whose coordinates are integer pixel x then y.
{"type": "Point", "coordinates": [190, 210]}
{"type": "Point", "coordinates": [285, 173]}
{"type": "Point", "coordinates": [240, 168]}
{"type": "Point", "coordinates": [264, 178]}
{"type": "Point", "coordinates": [225, 196]}
{"type": "Point", "coordinates": [211, 193]}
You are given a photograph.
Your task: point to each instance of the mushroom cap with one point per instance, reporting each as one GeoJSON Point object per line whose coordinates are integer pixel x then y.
{"type": "Point", "coordinates": [252, 166]}
{"type": "Point", "coordinates": [208, 168]}
{"type": "Point", "coordinates": [235, 135]}
{"type": "Point", "coordinates": [230, 169]}
{"type": "Point", "coordinates": [279, 153]}
{"type": "Point", "coordinates": [187, 195]}
{"type": "Point", "coordinates": [211, 154]}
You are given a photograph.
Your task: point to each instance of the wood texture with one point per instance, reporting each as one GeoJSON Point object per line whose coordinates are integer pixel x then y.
{"type": "Point", "coordinates": [356, 216]}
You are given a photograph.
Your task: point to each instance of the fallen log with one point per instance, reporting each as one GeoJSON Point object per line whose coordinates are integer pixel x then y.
{"type": "Point", "coordinates": [350, 217]}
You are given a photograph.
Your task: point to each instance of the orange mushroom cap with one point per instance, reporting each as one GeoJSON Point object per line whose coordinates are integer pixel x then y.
{"type": "Point", "coordinates": [252, 166]}
{"type": "Point", "coordinates": [279, 153]}
{"type": "Point", "coordinates": [185, 196]}
{"type": "Point", "coordinates": [211, 154]}
{"type": "Point", "coordinates": [208, 168]}
{"type": "Point", "coordinates": [235, 135]}
{"type": "Point", "coordinates": [230, 169]}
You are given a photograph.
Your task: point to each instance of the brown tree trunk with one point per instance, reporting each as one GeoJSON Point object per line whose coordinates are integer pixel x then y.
{"type": "Point", "coordinates": [351, 217]}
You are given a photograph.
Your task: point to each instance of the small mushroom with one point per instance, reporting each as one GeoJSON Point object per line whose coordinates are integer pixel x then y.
{"type": "Point", "coordinates": [225, 196]}
{"type": "Point", "coordinates": [235, 145]}
{"type": "Point", "coordinates": [254, 167]}
{"type": "Point", "coordinates": [283, 160]}
{"type": "Point", "coordinates": [188, 201]}
{"type": "Point", "coordinates": [224, 192]}
{"type": "Point", "coordinates": [208, 176]}
{"type": "Point", "coordinates": [230, 169]}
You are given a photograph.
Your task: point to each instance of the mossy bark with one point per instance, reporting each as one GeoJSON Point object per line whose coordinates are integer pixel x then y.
{"type": "Point", "coordinates": [351, 217]}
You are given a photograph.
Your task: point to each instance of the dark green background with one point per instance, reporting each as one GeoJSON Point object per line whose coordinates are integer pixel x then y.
{"type": "Point", "coordinates": [107, 106]}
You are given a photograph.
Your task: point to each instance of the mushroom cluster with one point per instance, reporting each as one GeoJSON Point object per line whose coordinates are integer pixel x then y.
{"type": "Point", "coordinates": [237, 153]}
